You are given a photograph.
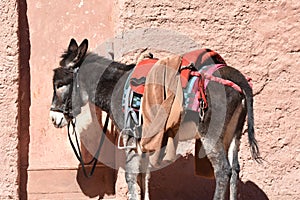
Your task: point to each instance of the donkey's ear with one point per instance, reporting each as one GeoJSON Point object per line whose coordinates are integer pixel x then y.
{"type": "Point", "coordinates": [82, 49]}
{"type": "Point", "coordinates": [74, 54]}
{"type": "Point", "coordinates": [73, 46]}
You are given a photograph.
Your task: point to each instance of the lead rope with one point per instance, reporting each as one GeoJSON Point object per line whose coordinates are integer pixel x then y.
{"type": "Point", "coordinates": [78, 153]}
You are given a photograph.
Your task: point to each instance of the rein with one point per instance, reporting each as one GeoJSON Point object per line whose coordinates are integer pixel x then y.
{"type": "Point", "coordinates": [78, 153]}
{"type": "Point", "coordinates": [76, 148]}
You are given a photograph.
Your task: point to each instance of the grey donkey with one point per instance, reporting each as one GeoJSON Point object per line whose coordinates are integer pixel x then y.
{"type": "Point", "coordinates": [84, 77]}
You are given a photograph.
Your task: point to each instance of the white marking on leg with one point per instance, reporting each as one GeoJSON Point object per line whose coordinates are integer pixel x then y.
{"type": "Point", "coordinates": [244, 103]}
{"type": "Point", "coordinates": [231, 150]}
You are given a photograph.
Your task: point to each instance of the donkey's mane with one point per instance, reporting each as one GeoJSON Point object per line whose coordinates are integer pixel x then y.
{"type": "Point", "coordinates": [62, 74]}
{"type": "Point", "coordinates": [65, 54]}
{"type": "Point", "coordinates": [92, 57]}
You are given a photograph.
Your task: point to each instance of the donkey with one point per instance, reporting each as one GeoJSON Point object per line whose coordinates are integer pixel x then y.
{"type": "Point", "coordinates": [84, 77]}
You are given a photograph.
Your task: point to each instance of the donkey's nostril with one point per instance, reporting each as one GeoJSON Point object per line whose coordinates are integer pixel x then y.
{"type": "Point", "coordinates": [53, 120]}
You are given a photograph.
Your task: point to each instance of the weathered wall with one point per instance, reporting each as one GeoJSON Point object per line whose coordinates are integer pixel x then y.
{"type": "Point", "coordinates": [261, 39]}
{"type": "Point", "coordinates": [9, 99]}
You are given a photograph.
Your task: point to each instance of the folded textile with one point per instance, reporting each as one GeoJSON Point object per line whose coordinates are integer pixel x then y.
{"type": "Point", "coordinates": [162, 109]}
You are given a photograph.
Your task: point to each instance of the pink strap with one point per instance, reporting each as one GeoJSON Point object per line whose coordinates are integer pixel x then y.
{"type": "Point", "coordinates": [223, 82]}
{"type": "Point", "coordinates": [210, 71]}
{"type": "Point", "coordinates": [209, 77]}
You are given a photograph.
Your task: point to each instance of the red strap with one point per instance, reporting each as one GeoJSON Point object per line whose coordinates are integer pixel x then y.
{"type": "Point", "coordinates": [201, 84]}
{"type": "Point", "coordinates": [202, 96]}
{"type": "Point", "coordinates": [201, 88]}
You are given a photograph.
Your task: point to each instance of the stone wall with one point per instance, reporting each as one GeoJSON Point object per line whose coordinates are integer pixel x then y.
{"type": "Point", "coordinates": [9, 99]}
{"type": "Point", "coordinates": [261, 39]}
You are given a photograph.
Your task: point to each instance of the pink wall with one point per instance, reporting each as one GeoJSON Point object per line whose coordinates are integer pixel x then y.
{"type": "Point", "coordinates": [9, 100]}
{"type": "Point", "coordinates": [52, 24]}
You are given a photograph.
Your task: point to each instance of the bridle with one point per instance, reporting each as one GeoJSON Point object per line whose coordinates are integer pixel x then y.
{"type": "Point", "coordinates": [66, 109]}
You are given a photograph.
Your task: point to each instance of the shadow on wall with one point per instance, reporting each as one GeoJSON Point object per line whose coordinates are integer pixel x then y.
{"type": "Point", "coordinates": [23, 98]}
{"type": "Point", "coordinates": [178, 181]}
{"type": "Point", "coordinates": [101, 184]}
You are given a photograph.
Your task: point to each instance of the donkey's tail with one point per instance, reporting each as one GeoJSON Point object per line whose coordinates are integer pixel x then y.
{"type": "Point", "coordinates": [247, 90]}
{"type": "Point", "coordinates": [238, 78]}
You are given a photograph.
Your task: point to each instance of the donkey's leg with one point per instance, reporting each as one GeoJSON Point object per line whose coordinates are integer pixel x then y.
{"type": "Point", "coordinates": [146, 187]}
{"type": "Point", "coordinates": [144, 183]}
{"type": "Point", "coordinates": [222, 170]}
{"type": "Point", "coordinates": [234, 163]}
{"type": "Point", "coordinates": [133, 160]}
{"type": "Point", "coordinates": [145, 176]}
{"type": "Point", "coordinates": [233, 155]}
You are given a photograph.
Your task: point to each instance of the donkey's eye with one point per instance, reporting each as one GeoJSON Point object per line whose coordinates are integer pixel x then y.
{"type": "Point", "coordinates": [59, 85]}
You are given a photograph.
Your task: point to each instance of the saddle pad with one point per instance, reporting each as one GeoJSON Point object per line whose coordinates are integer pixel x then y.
{"type": "Point", "coordinates": [138, 76]}
{"type": "Point", "coordinates": [202, 57]}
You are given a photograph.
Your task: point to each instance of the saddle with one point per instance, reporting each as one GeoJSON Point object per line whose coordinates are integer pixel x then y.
{"type": "Point", "coordinates": [193, 60]}
{"type": "Point", "coordinates": [197, 68]}
{"type": "Point", "coordinates": [193, 66]}
{"type": "Point", "coordinates": [192, 82]}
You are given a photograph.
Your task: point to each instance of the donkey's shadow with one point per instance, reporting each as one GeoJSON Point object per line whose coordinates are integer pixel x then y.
{"type": "Point", "coordinates": [101, 184]}
{"type": "Point", "coordinates": [178, 181]}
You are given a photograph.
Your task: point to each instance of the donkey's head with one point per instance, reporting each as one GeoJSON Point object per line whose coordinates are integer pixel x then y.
{"type": "Point", "coordinates": [67, 99]}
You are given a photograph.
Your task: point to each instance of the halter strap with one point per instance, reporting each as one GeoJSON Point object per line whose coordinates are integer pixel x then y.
{"type": "Point", "coordinates": [68, 109]}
